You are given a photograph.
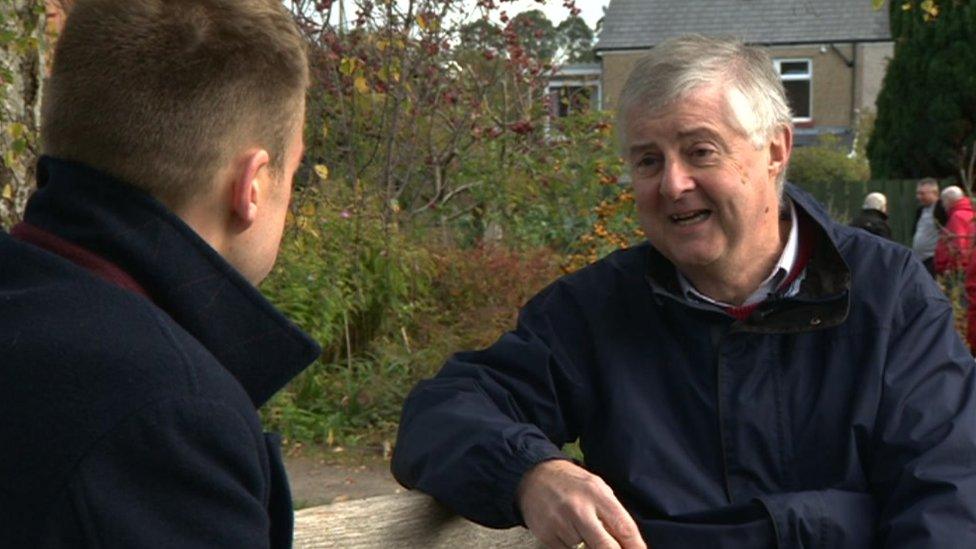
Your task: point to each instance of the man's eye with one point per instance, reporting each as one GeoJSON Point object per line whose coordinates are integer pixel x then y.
{"type": "Point", "coordinates": [647, 163]}
{"type": "Point", "coordinates": [702, 152]}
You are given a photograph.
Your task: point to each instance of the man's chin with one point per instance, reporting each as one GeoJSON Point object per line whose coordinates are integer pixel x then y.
{"type": "Point", "coordinates": [689, 260]}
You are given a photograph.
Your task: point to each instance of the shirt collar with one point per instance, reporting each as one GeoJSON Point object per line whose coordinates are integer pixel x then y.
{"type": "Point", "coordinates": [768, 286]}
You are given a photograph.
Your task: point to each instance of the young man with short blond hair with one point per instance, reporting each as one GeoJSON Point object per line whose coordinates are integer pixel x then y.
{"type": "Point", "coordinates": [134, 346]}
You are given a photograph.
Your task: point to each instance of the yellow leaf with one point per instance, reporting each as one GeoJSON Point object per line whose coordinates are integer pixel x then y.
{"type": "Point", "coordinates": [381, 45]}
{"type": "Point", "coordinates": [361, 85]}
{"type": "Point", "coordinates": [8, 192]}
{"type": "Point", "coordinates": [308, 210]}
{"type": "Point", "coordinates": [348, 65]}
{"type": "Point", "coordinates": [322, 171]}
{"type": "Point", "coordinates": [907, 6]}
{"type": "Point", "coordinates": [422, 21]}
{"type": "Point", "coordinates": [877, 4]}
{"type": "Point", "coordinates": [17, 130]}
{"type": "Point", "coordinates": [388, 73]}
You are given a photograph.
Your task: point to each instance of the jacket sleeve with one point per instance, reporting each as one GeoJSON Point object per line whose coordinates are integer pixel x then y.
{"type": "Point", "coordinates": [468, 435]}
{"type": "Point", "coordinates": [951, 238]}
{"type": "Point", "coordinates": [923, 462]}
{"type": "Point", "coordinates": [181, 473]}
{"type": "Point", "coordinates": [940, 261]}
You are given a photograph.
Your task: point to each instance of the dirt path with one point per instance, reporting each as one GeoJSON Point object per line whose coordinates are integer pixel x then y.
{"type": "Point", "coordinates": [319, 477]}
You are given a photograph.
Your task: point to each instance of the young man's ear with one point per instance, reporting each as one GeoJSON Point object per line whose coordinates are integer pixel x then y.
{"type": "Point", "coordinates": [247, 185]}
{"type": "Point", "coordinates": [780, 147]}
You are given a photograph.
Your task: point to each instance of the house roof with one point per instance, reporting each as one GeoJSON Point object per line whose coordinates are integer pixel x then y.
{"type": "Point", "coordinates": [639, 24]}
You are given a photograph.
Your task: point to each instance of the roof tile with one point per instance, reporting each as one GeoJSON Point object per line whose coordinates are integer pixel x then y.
{"type": "Point", "coordinates": [638, 24]}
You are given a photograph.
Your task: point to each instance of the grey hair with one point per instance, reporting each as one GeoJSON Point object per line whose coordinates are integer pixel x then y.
{"type": "Point", "coordinates": [680, 65]}
{"type": "Point", "coordinates": [875, 201]}
{"type": "Point", "coordinates": [950, 195]}
{"type": "Point", "coordinates": [927, 182]}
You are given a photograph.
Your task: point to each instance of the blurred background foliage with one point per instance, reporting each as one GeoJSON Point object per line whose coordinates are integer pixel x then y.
{"type": "Point", "coordinates": [437, 195]}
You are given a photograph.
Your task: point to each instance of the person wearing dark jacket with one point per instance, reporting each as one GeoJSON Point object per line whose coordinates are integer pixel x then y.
{"type": "Point", "coordinates": [134, 346]}
{"type": "Point", "coordinates": [874, 216]}
{"type": "Point", "coordinates": [756, 375]}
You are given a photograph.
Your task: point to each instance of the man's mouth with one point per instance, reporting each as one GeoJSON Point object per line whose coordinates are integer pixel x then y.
{"type": "Point", "coordinates": [690, 218]}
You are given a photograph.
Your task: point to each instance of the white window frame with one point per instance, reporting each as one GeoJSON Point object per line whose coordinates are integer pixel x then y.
{"type": "Point", "coordinates": [778, 63]}
{"type": "Point", "coordinates": [581, 83]}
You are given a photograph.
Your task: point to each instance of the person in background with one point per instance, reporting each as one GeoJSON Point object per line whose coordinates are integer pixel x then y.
{"type": "Point", "coordinates": [874, 216]}
{"type": "Point", "coordinates": [956, 238]}
{"type": "Point", "coordinates": [930, 217]}
{"type": "Point", "coordinates": [135, 347]}
{"type": "Point", "coordinates": [754, 375]}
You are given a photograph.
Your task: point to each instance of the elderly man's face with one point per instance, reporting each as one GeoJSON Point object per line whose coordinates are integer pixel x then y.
{"type": "Point", "coordinates": [706, 197]}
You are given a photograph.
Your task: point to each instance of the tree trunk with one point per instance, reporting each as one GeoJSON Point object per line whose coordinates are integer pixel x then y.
{"type": "Point", "coordinates": [21, 70]}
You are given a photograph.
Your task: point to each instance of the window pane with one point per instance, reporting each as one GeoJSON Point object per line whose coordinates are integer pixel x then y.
{"type": "Point", "coordinates": [794, 67]}
{"type": "Point", "coordinates": [573, 99]}
{"type": "Point", "coordinates": [798, 94]}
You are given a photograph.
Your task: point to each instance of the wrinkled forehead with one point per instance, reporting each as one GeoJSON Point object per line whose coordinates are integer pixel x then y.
{"type": "Point", "coordinates": [704, 109]}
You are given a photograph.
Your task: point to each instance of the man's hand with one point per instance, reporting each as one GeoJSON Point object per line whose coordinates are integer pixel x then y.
{"type": "Point", "coordinates": [563, 505]}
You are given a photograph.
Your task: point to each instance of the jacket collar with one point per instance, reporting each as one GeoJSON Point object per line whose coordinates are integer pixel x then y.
{"type": "Point", "coordinates": [181, 273]}
{"type": "Point", "coordinates": [825, 293]}
{"type": "Point", "coordinates": [961, 205]}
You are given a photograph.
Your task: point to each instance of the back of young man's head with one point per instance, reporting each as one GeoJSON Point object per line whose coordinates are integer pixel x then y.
{"type": "Point", "coordinates": [163, 93]}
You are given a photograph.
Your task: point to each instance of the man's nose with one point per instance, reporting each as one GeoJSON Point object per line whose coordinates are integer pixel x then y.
{"type": "Point", "coordinates": [675, 179]}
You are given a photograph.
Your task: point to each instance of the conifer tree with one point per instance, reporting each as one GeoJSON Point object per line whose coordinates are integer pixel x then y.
{"type": "Point", "coordinates": [927, 106]}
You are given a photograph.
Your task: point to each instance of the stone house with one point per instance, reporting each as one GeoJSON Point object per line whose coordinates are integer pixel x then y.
{"type": "Point", "coordinates": [831, 54]}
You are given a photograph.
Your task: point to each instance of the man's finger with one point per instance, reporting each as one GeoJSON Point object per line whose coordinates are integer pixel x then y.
{"type": "Point", "coordinates": [618, 522]}
{"type": "Point", "coordinates": [594, 533]}
{"type": "Point", "coordinates": [567, 536]}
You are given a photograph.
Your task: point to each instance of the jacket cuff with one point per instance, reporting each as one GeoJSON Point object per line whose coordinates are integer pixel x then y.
{"type": "Point", "coordinates": [513, 470]}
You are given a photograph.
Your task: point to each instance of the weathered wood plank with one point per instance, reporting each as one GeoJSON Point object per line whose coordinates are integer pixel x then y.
{"type": "Point", "coordinates": [410, 519]}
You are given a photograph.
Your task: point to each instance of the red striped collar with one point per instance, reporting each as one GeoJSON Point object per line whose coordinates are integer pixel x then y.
{"type": "Point", "coordinates": [807, 241]}
{"type": "Point", "coordinates": [85, 259]}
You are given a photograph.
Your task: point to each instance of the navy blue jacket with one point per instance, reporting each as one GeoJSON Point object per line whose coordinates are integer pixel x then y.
{"type": "Point", "coordinates": [841, 417]}
{"type": "Point", "coordinates": [130, 421]}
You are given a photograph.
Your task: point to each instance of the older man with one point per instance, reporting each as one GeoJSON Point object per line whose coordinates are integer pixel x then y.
{"type": "Point", "coordinates": [874, 216]}
{"type": "Point", "coordinates": [755, 376]}
{"type": "Point", "coordinates": [956, 238]}
{"type": "Point", "coordinates": [134, 347]}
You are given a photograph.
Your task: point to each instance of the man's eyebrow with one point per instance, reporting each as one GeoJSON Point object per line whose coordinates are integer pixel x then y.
{"type": "Point", "coordinates": [701, 131]}
{"type": "Point", "coordinates": [641, 147]}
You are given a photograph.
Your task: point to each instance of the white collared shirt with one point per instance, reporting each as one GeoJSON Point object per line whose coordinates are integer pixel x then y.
{"type": "Point", "coordinates": [768, 286]}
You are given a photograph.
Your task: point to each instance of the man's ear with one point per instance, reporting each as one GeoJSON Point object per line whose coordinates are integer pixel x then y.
{"type": "Point", "coordinates": [251, 174]}
{"type": "Point", "coordinates": [780, 147]}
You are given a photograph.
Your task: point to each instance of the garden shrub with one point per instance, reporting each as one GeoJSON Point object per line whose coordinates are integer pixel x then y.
{"type": "Point", "coordinates": [388, 307]}
{"type": "Point", "coordinates": [347, 278]}
{"type": "Point", "coordinates": [827, 161]}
